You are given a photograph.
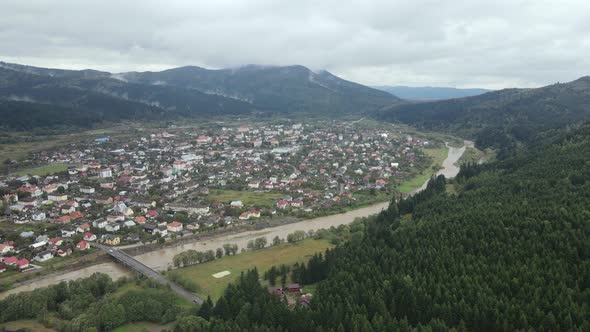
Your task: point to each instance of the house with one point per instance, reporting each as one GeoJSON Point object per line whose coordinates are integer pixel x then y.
{"type": "Point", "coordinates": [174, 227]}
{"type": "Point", "coordinates": [22, 264]}
{"type": "Point", "coordinates": [89, 237]}
{"type": "Point", "coordinates": [133, 237]}
{"type": "Point", "coordinates": [152, 214]}
{"type": "Point", "coordinates": [85, 227]}
{"type": "Point", "coordinates": [56, 241]}
{"type": "Point", "coordinates": [236, 204]}
{"type": "Point", "coordinates": [105, 173]}
{"type": "Point", "coordinates": [150, 228]}
{"type": "Point", "coordinates": [63, 252]}
{"type": "Point", "coordinates": [5, 248]}
{"type": "Point", "coordinates": [10, 260]}
{"type": "Point", "coordinates": [204, 139]}
{"type": "Point", "coordinates": [43, 256]}
{"type": "Point", "coordinates": [99, 223]}
{"type": "Point", "coordinates": [129, 223]}
{"type": "Point", "coordinates": [112, 227]}
{"type": "Point", "coordinates": [282, 204]}
{"type": "Point", "coordinates": [83, 245]}
{"type": "Point", "coordinates": [68, 232]}
{"type": "Point", "coordinates": [250, 214]}
{"type": "Point", "coordinates": [140, 220]}
{"type": "Point", "coordinates": [111, 239]}
{"type": "Point", "coordinates": [38, 245]}
{"type": "Point", "coordinates": [38, 216]}
{"type": "Point", "coordinates": [87, 190]}
{"type": "Point", "coordinates": [294, 288]}
{"type": "Point", "coordinates": [162, 230]}
{"type": "Point", "coordinates": [55, 197]}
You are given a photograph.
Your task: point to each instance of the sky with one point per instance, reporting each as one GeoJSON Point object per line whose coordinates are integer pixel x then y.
{"type": "Point", "coordinates": [463, 43]}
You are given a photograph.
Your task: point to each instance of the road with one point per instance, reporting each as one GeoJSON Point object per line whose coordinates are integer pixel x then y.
{"type": "Point", "coordinates": [140, 268]}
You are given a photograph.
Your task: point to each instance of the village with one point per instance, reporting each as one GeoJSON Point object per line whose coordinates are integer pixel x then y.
{"type": "Point", "coordinates": [176, 182]}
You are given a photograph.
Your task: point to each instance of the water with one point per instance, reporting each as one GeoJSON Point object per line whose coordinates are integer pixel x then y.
{"type": "Point", "coordinates": [162, 259]}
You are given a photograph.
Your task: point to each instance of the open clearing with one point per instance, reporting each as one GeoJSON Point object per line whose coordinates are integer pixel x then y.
{"type": "Point", "coordinates": [260, 199]}
{"type": "Point", "coordinates": [27, 325]}
{"type": "Point", "coordinates": [43, 170]}
{"type": "Point", "coordinates": [262, 259]}
{"type": "Point", "coordinates": [438, 156]}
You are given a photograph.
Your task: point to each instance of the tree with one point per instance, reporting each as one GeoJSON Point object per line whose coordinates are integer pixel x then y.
{"type": "Point", "coordinates": [276, 241]}
{"type": "Point", "coordinates": [219, 253]}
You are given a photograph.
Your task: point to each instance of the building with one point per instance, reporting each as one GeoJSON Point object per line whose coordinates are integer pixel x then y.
{"type": "Point", "coordinates": [174, 227]}
{"type": "Point", "coordinates": [43, 256]}
{"type": "Point", "coordinates": [83, 245]}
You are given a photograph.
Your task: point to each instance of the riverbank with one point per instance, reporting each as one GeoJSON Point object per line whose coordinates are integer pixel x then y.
{"type": "Point", "coordinates": [159, 257]}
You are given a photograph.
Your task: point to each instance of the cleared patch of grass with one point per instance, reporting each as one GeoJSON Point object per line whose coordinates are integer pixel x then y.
{"type": "Point", "coordinates": [141, 327]}
{"type": "Point", "coordinates": [262, 199]}
{"type": "Point", "coordinates": [437, 156]}
{"type": "Point", "coordinates": [43, 170]}
{"type": "Point", "coordinates": [262, 259]}
{"type": "Point", "coordinates": [29, 325]}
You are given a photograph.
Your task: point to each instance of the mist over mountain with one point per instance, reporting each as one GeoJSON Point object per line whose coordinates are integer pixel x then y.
{"type": "Point", "coordinates": [180, 92]}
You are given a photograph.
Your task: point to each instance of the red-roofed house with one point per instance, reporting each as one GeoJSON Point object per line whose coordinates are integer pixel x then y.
{"type": "Point", "coordinates": [83, 245]}
{"type": "Point", "coordinates": [89, 237]}
{"type": "Point", "coordinates": [10, 260]}
{"type": "Point", "coordinates": [282, 204]}
{"type": "Point", "coordinates": [22, 263]}
{"type": "Point", "coordinates": [174, 226]}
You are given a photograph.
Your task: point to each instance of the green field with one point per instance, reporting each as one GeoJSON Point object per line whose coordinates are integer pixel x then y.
{"type": "Point", "coordinates": [43, 170]}
{"type": "Point", "coordinates": [260, 199]}
{"type": "Point", "coordinates": [141, 327]}
{"type": "Point", "coordinates": [262, 259]}
{"type": "Point", "coordinates": [438, 156]}
{"type": "Point", "coordinates": [27, 325]}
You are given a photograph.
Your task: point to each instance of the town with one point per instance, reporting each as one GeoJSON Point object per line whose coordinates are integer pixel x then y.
{"type": "Point", "coordinates": [178, 181]}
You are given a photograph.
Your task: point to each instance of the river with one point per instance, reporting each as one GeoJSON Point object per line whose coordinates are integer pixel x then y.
{"type": "Point", "coordinates": [162, 259]}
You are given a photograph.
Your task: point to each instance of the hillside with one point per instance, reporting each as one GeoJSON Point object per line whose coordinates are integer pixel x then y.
{"type": "Point", "coordinates": [186, 92]}
{"type": "Point", "coordinates": [277, 89]}
{"type": "Point", "coordinates": [425, 93]}
{"type": "Point", "coordinates": [500, 118]}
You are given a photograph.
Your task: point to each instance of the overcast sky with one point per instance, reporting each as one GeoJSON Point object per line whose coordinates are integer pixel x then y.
{"type": "Point", "coordinates": [464, 43]}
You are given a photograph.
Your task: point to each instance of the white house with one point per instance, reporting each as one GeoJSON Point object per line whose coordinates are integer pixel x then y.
{"type": "Point", "coordinates": [105, 173]}
{"type": "Point", "coordinates": [43, 256]}
{"type": "Point", "coordinates": [174, 226]}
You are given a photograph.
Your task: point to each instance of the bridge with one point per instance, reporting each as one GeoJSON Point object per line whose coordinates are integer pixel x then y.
{"type": "Point", "coordinates": [137, 266]}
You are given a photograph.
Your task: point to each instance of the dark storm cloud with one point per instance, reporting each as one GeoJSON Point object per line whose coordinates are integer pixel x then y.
{"type": "Point", "coordinates": [461, 43]}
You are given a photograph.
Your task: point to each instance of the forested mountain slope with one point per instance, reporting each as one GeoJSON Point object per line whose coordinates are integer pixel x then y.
{"type": "Point", "coordinates": [282, 89]}
{"type": "Point", "coordinates": [509, 251]}
{"type": "Point", "coordinates": [186, 92]}
{"type": "Point", "coordinates": [501, 118]}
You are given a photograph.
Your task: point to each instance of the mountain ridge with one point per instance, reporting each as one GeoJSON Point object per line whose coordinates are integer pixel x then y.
{"type": "Point", "coordinates": [190, 91]}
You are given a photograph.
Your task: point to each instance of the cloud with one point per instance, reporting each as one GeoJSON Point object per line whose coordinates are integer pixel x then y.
{"type": "Point", "coordinates": [490, 44]}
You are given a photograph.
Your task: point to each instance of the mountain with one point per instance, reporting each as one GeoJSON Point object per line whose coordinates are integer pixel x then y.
{"type": "Point", "coordinates": [278, 89]}
{"type": "Point", "coordinates": [500, 118]}
{"type": "Point", "coordinates": [430, 93]}
{"type": "Point", "coordinates": [176, 93]}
